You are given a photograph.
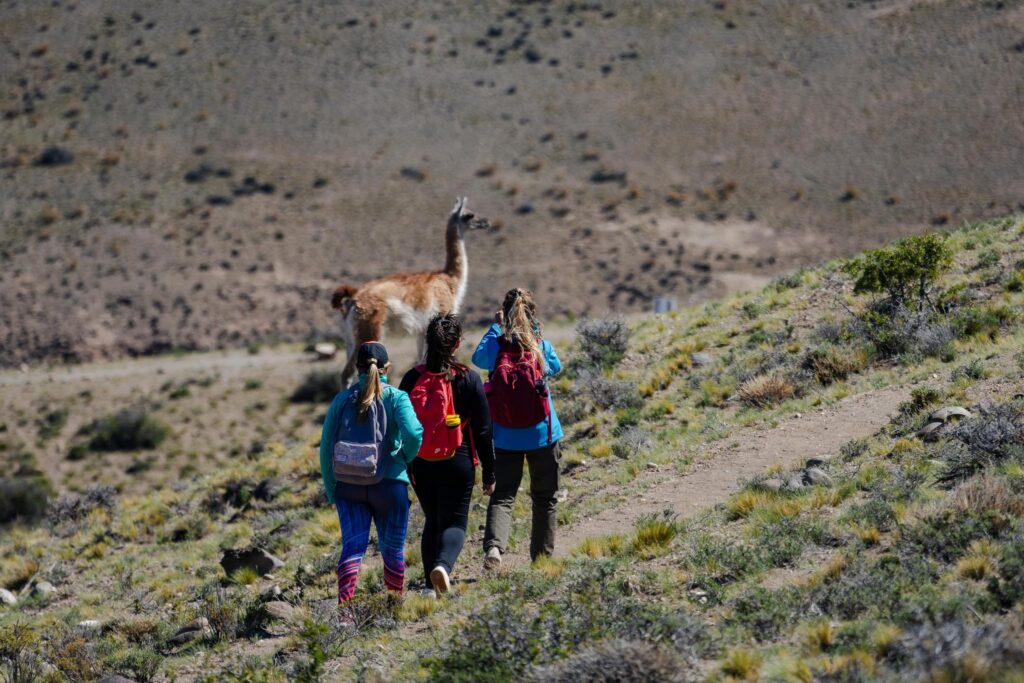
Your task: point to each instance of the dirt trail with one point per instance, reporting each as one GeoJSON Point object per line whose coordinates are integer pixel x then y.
{"type": "Point", "coordinates": [722, 470]}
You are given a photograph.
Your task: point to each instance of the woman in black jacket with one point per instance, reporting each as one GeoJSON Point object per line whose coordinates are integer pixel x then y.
{"type": "Point", "coordinates": [445, 487]}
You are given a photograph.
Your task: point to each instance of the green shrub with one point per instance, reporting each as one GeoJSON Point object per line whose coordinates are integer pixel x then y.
{"type": "Point", "coordinates": [886, 589]}
{"type": "Point", "coordinates": [52, 422]}
{"type": "Point", "coordinates": [903, 271]}
{"type": "Point", "coordinates": [602, 342]}
{"type": "Point", "coordinates": [766, 613]}
{"type": "Point", "coordinates": [24, 498]}
{"type": "Point", "coordinates": [319, 386]}
{"type": "Point", "coordinates": [130, 429]}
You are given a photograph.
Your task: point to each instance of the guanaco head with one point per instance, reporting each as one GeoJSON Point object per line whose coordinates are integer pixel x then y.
{"type": "Point", "coordinates": [464, 219]}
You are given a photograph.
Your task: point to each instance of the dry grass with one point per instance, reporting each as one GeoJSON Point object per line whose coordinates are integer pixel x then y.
{"type": "Point", "coordinates": [987, 492]}
{"type": "Point", "coordinates": [766, 390]}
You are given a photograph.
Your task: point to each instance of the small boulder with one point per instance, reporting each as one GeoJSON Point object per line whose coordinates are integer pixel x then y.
{"type": "Point", "coordinates": [7, 597]}
{"type": "Point", "coordinates": [283, 611]}
{"type": "Point", "coordinates": [325, 350]}
{"type": "Point", "coordinates": [699, 358]}
{"type": "Point", "coordinates": [270, 593]}
{"type": "Point", "coordinates": [944, 414]}
{"type": "Point", "coordinates": [816, 477]}
{"type": "Point", "coordinates": [258, 559]}
{"type": "Point", "coordinates": [795, 483]}
{"type": "Point", "coordinates": [930, 431]}
{"type": "Point", "coordinates": [90, 625]}
{"type": "Point", "coordinates": [772, 484]}
{"type": "Point", "coordinates": [194, 630]}
{"type": "Point", "coordinates": [43, 589]}
{"type": "Point", "coordinates": [814, 462]}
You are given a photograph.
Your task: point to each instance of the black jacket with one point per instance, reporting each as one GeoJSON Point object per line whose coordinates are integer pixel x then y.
{"type": "Point", "coordinates": [471, 405]}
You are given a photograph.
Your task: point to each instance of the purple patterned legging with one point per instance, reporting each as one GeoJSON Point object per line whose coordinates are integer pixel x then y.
{"type": "Point", "coordinates": [387, 504]}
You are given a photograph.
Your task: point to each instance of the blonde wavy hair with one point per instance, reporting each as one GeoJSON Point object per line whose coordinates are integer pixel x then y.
{"type": "Point", "coordinates": [520, 324]}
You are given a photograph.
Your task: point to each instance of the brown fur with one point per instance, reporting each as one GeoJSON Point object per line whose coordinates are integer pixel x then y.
{"type": "Point", "coordinates": [416, 295]}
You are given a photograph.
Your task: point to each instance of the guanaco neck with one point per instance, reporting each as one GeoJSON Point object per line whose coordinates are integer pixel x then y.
{"type": "Point", "coordinates": [456, 264]}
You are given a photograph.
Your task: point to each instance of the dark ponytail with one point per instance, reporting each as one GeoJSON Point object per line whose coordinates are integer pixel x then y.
{"type": "Point", "coordinates": [444, 332]}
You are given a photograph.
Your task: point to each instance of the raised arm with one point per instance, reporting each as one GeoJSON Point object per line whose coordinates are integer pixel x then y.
{"type": "Point", "coordinates": [487, 350]}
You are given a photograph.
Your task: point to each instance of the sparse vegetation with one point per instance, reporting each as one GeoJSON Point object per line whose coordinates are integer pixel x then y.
{"type": "Point", "coordinates": [319, 386]}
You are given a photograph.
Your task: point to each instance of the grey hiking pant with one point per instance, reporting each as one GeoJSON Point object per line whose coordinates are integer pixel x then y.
{"type": "Point", "coordinates": [544, 464]}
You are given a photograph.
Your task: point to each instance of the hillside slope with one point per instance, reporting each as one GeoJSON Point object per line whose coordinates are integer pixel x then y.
{"type": "Point", "coordinates": [219, 168]}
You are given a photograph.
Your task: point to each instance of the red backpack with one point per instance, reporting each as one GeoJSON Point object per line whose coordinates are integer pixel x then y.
{"type": "Point", "coordinates": [517, 392]}
{"type": "Point", "coordinates": [434, 404]}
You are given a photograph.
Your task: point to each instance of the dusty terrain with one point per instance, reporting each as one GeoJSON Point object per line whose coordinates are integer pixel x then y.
{"type": "Point", "coordinates": [219, 170]}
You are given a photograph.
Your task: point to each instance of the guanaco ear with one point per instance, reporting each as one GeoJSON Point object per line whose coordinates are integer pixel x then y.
{"type": "Point", "coordinates": [459, 205]}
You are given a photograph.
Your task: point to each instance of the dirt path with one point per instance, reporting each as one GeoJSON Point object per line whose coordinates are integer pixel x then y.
{"type": "Point", "coordinates": [722, 470]}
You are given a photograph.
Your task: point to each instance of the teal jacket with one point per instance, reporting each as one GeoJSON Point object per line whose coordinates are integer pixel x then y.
{"type": "Point", "coordinates": [401, 442]}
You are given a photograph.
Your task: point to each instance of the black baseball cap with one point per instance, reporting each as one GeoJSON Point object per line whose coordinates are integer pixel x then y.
{"type": "Point", "coordinates": [371, 351]}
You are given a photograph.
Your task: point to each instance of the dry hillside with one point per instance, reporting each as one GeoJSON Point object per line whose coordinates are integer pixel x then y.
{"type": "Point", "coordinates": [200, 175]}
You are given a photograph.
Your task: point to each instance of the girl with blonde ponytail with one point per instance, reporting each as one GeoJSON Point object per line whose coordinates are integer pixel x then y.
{"type": "Point", "coordinates": [525, 426]}
{"type": "Point", "coordinates": [386, 502]}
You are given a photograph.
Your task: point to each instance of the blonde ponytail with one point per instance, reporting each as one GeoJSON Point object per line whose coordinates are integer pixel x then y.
{"type": "Point", "coordinates": [521, 324]}
{"type": "Point", "coordinates": [372, 387]}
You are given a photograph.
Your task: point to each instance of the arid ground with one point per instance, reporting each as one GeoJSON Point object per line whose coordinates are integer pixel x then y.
{"type": "Point", "coordinates": [197, 175]}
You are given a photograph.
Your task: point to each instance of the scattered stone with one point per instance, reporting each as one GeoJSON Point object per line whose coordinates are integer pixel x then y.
{"type": "Point", "coordinates": [279, 609]}
{"type": "Point", "coordinates": [795, 483]}
{"type": "Point", "coordinates": [929, 431]}
{"type": "Point", "coordinates": [43, 589]}
{"type": "Point", "coordinates": [325, 350]}
{"type": "Point", "coordinates": [198, 628]}
{"type": "Point", "coordinates": [653, 466]}
{"type": "Point", "coordinates": [562, 495]}
{"type": "Point", "coordinates": [258, 559]}
{"type": "Point", "coordinates": [7, 597]}
{"type": "Point", "coordinates": [772, 484]}
{"type": "Point", "coordinates": [54, 156]}
{"type": "Point", "coordinates": [114, 678]}
{"type": "Point", "coordinates": [699, 358]}
{"type": "Point", "coordinates": [815, 462]}
{"type": "Point", "coordinates": [90, 625]}
{"type": "Point", "coordinates": [943, 414]}
{"type": "Point", "coordinates": [270, 593]}
{"type": "Point", "coordinates": [816, 477]}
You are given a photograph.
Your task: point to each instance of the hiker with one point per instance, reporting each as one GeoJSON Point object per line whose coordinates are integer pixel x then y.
{"type": "Point", "coordinates": [370, 435]}
{"type": "Point", "coordinates": [450, 403]}
{"type": "Point", "coordinates": [524, 422]}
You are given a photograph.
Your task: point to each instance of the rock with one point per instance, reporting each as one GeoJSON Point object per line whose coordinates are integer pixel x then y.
{"type": "Point", "coordinates": [198, 628]}
{"type": "Point", "coordinates": [772, 484]}
{"type": "Point", "coordinates": [325, 350]}
{"type": "Point", "coordinates": [699, 358]}
{"type": "Point", "coordinates": [90, 625]}
{"type": "Point", "coordinates": [562, 495]}
{"type": "Point", "coordinates": [816, 477]}
{"type": "Point", "coordinates": [930, 431]}
{"type": "Point", "coordinates": [795, 483]}
{"type": "Point", "coordinates": [270, 593]}
{"type": "Point", "coordinates": [43, 589]}
{"type": "Point", "coordinates": [814, 462]}
{"type": "Point", "coordinates": [653, 466]}
{"type": "Point", "coordinates": [7, 597]}
{"type": "Point", "coordinates": [943, 414]}
{"type": "Point", "coordinates": [114, 678]}
{"type": "Point", "coordinates": [279, 609]}
{"type": "Point", "coordinates": [258, 559]}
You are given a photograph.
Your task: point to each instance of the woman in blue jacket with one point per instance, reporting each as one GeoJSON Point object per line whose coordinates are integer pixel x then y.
{"type": "Point", "coordinates": [386, 503]}
{"type": "Point", "coordinates": [516, 327]}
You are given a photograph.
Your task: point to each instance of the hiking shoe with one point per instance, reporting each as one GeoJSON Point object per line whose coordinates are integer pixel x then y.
{"type": "Point", "coordinates": [439, 577]}
{"type": "Point", "coordinates": [492, 560]}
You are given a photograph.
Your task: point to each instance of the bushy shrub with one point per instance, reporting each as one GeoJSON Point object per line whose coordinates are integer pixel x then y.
{"type": "Point", "coordinates": [957, 651]}
{"type": "Point", "coordinates": [904, 271]}
{"type": "Point", "coordinates": [830, 365]}
{"type": "Point", "coordinates": [885, 589]}
{"type": "Point", "coordinates": [618, 661]}
{"type": "Point", "coordinates": [631, 442]}
{"type": "Point", "coordinates": [602, 342]}
{"type": "Point", "coordinates": [126, 430]}
{"type": "Point", "coordinates": [52, 422]}
{"type": "Point", "coordinates": [766, 613]}
{"type": "Point", "coordinates": [974, 370]}
{"type": "Point", "coordinates": [994, 436]}
{"type": "Point", "coordinates": [766, 390]}
{"type": "Point", "coordinates": [71, 508]}
{"type": "Point", "coordinates": [1008, 585]}
{"type": "Point", "coordinates": [24, 498]}
{"type": "Point", "coordinates": [607, 393]}
{"type": "Point", "coordinates": [319, 386]}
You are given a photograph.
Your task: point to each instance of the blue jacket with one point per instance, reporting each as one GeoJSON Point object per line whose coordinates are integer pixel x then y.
{"type": "Point", "coordinates": [401, 441]}
{"type": "Point", "coordinates": [525, 438]}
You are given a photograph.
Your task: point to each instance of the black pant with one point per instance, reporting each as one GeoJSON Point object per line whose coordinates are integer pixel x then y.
{"type": "Point", "coordinates": [444, 489]}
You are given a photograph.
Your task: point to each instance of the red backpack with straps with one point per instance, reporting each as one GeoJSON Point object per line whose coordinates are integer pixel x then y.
{"type": "Point", "coordinates": [517, 392]}
{"type": "Point", "coordinates": [434, 405]}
